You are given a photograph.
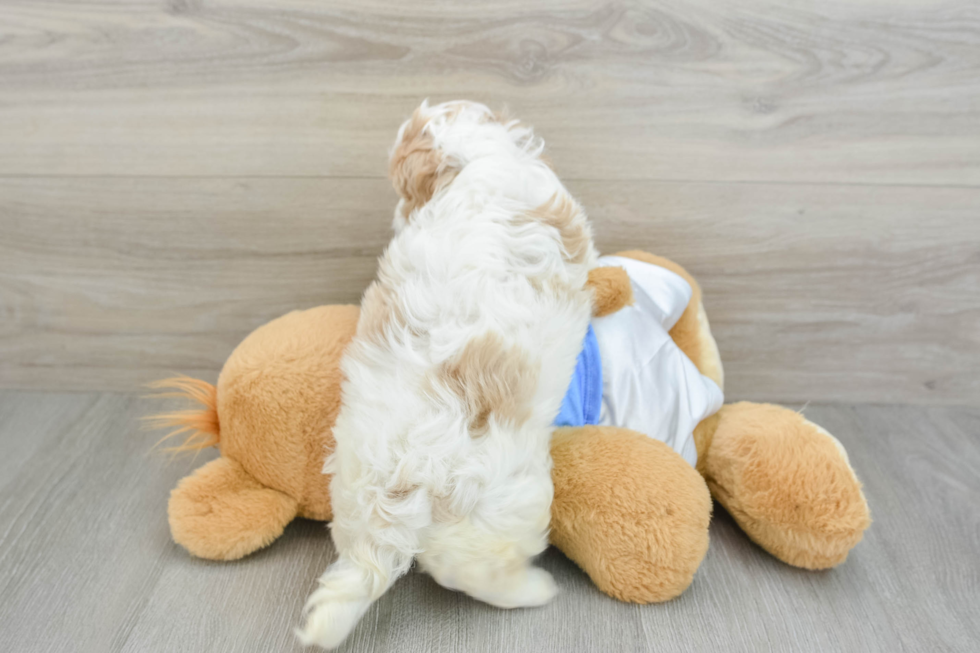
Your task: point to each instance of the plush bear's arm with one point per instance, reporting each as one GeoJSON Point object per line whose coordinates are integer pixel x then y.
{"type": "Point", "coordinates": [629, 511]}
{"type": "Point", "coordinates": [221, 513]}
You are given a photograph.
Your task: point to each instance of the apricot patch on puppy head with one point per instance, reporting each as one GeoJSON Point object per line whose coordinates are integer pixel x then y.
{"type": "Point", "coordinates": [417, 168]}
{"type": "Point", "coordinates": [493, 379]}
{"type": "Point", "coordinates": [562, 213]}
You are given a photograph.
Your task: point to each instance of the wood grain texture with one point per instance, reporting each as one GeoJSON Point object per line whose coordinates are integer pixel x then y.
{"type": "Point", "coordinates": [150, 276]}
{"type": "Point", "coordinates": [843, 293]}
{"type": "Point", "coordinates": [870, 91]}
{"type": "Point", "coordinates": [86, 562]}
{"type": "Point", "coordinates": [177, 172]}
{"type": "Point", "coordinates": [815, 293]}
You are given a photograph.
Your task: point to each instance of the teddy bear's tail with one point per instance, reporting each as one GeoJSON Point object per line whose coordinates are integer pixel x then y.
{"type": "Point", "coordinates": [199, 426]}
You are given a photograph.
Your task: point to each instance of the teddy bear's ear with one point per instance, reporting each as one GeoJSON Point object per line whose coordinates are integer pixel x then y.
{"type": "Point", "coordinates": [611, 290]}
{"type": "Point", "coordinates": [221, 512]}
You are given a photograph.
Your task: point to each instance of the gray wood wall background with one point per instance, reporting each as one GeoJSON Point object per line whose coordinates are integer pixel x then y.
{"type": "Point", "coordinates": [173, 174]}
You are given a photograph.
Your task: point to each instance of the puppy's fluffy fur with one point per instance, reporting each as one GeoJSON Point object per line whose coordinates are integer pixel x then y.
{"type": "Point", "coordinates": [464, 350]}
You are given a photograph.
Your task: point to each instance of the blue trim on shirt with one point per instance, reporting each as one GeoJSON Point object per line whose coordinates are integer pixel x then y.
{"type": "Point", "coordinates": [583, 401]}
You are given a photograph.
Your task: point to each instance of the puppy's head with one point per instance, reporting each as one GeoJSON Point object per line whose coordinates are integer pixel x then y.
{"type": "Point", "coordinates": [438, 141]}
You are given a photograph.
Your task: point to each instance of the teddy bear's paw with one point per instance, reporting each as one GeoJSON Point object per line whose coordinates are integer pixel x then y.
{"type": "Point", "coordinates": [788, 483]}
{"type": "Point", "coordinates": [222, 513]}
{"type": "Point", "coordinates": [630, 511]}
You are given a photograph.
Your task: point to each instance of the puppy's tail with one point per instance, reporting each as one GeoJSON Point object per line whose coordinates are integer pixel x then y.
{"type": "Point", "coordinates": [347, 589]}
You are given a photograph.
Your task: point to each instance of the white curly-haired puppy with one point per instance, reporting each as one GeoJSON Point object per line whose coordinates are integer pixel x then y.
{"type": "Point", "coordinates": [465, 347]}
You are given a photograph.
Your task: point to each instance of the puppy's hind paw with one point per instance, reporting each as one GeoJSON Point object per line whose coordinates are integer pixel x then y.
{"type": "Point", "coordinates": [534, 587]}
{"type": "Point", "coordinates": [539, 588]}
{"type": "Point", "coordinates": [329, 619]}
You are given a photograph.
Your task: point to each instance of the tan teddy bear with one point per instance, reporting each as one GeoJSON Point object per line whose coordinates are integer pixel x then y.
{"type": "Point", "coordinates": [628, 509]}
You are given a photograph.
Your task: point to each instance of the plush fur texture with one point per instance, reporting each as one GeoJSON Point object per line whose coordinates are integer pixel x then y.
{"type": "Point", "coordinates": [612, 289]}
{"type": "Point", "coordinates": [603, 474]}
{"type": "Point", "coordinates": [465, 348]}
{"type": "Point", "coordinates": [277, 398]}
{"type": "Point", "coordinates": [787, 483]}
{"type": "Point", "coordinates": [271, 414]}
{"type": "Point", "coordinates": [222, 513]}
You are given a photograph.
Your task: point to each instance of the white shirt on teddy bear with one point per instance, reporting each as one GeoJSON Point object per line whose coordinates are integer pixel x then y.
{"type": "Point", "coordinates": [648, 384]}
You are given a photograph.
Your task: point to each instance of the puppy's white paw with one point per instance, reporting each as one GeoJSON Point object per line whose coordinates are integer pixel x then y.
{"type": "Point", "coordinates": [329, 620]}
{"type": "Point", "coordinates": [534, 587]}
{"type": "Point", "coordinates": [540, 588]}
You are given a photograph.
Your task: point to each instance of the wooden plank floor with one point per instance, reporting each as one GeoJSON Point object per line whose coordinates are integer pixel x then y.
{"type": "Point", "coordinates": [173, 173]}
{"type": "Point", "coordinates": [87, 564]}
